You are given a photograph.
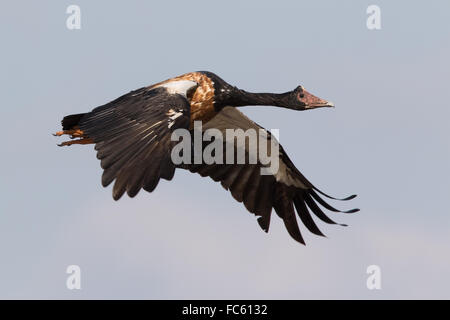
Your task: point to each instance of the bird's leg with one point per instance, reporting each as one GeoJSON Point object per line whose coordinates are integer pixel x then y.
{"type": "Point", "coordinates": [74, 133]}
{"type": "Point", "coordinates": [78, 141]}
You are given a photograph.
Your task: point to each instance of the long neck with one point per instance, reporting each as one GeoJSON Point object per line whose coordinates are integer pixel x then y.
{"type": "Point", "coordinates": [244, 98]}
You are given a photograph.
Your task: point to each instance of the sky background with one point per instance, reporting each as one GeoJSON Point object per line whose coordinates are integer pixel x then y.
{"type": "Point", "coordinates": [387, 140]}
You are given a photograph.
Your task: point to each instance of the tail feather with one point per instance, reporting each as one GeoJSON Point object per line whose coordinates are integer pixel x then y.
{"type": "Point", "coordinates": [70, 125]}
{"type": "Point", "coordinates": [71, 121]}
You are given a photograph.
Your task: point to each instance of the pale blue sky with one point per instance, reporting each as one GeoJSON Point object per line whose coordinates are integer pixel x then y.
{"type": "Point", "coordinates": [387, 140]}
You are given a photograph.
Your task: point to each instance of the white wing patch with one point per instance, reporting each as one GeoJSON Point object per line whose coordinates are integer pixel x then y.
{"type": "Point", "coordinates": [285, 175]}
{"type": "Point", "coordinates": [179, 86]}
{"type": "Point", "coordinates": [232, 118]}
{"type": "Point", "coordinates": [173, 115]}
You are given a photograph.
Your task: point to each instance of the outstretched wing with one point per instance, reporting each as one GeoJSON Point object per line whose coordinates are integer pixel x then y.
{"type": "Point", "coordinates": [132, 137]}
{"type": "Point", "coordinates": [286, 190]}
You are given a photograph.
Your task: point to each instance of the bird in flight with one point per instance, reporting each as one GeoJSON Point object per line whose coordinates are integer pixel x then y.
{"type": "Point", "coordinates": [132, 137]}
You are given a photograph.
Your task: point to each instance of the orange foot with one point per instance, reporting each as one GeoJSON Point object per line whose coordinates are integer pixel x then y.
{"type": "Point", "coordinates": [74, 133]}
{"type": "Point", "coordinates": [78, 141]}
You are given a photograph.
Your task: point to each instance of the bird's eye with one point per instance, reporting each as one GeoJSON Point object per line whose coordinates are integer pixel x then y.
{"type": "Point", "coordinates": [301, 95]}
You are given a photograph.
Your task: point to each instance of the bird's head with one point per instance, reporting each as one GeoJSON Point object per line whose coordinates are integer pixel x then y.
{"type": "Point", "coordinates": [300, 99]}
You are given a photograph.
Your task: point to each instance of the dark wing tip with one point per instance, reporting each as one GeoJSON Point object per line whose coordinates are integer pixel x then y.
{"type": "Point", "coordinates": [298, 238]}
{"type": "Point", "coordinates": [263, 224]}
{"type": "Point", "coordinates": [328, 206]}
{"type": "Point", "coordinates": [117, 192]}
{"type": "Point", "coordinates": [334, 198]}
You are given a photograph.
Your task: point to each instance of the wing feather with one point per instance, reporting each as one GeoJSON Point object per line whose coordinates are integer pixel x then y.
{"type": "Point", "coordinates": [287, 191]}
{"type": "Point", "coordinates": [132, 137]}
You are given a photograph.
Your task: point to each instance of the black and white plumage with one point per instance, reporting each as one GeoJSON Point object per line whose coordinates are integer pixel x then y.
{"type": "Point", "coordinates": [132, 138]}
